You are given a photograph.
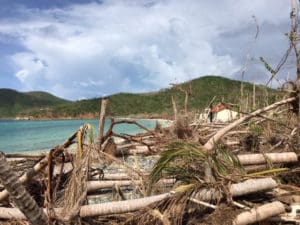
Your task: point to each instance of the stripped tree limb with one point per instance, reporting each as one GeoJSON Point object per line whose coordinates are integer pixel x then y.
{"type": "Point", "coordinates": [96, 209]}
{"type": "Point", "coordinates": [113, 123]}
{"type": "Point", "coordinates": [23, 156]}
{"type": "Point", "coordinates": [246, 187]}
{"type": "Point", "coordinates": [243, 188]}
{"type": "Point", "coordinates": [260, 213]}
{"type": "Point", "coordinates": [101, 123]}
{"type": "Point", "coordinates": [255, 159]}
{"type": "Point", "coordinates": [187, 92]}
{"type": "Point", "coordinates": [96, 185]}
{"type": "Point", "coordinates": [118, 176]}
{"type": "Point", "coordinates": [252, 186]}
{"type": "Point", "coordinates": [175, 111]}
{"type": "Point", "coordinates": [210, 144]}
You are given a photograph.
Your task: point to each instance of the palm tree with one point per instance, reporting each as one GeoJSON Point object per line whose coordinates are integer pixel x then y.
{"type": "Point", "coordinates": [19, 195]}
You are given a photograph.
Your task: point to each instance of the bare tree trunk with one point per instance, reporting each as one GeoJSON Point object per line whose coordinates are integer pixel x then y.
{"type": "Point", "coordinates": [101, 122]}
{"type": "Point", "coordinates": [260, 213]}
{"type": "Point", "coordinates": [97, 209]}
{"type": "Point", "coordinates": [96, 185]}
{"type": "Point", "coordinates": [187, 93]}
{"type": "Point", "coordinates": [246, 187]}
{"type": "Point", "coordinates": [119, 176]}
{"type": "Point", "coordinates": [254, 159]}
{"type": "Point", "coordinates": [294, 41]}
{"type": "Point", "coordinates": [19, 195]}
{"type": "Point", "coordinates": [254, 96]}
{"type": "Point", "coordinates": [243, 188]}
{"type": "Point", "coordinates": [121, 206]}
{"type": "Point", "coordinates": [186, 101]}
{"type": "Point", "coordinates": [174, 110]}
{"type": "Point", "coordinates": [251, 186]}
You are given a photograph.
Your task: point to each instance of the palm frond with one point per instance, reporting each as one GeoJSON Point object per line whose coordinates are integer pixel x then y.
{"type": "Point", "coordinates": [176, 159]}
{"type": "Point", "coordinates": [226, 162]}
{"type": "Point", "coordinates": [268, 172]}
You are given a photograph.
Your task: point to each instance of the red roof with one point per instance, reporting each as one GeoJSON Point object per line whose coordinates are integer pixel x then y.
{"type": "Point", "coordinates": [217, 108]}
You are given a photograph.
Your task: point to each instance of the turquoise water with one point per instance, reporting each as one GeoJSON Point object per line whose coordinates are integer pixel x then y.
{"type": "Point", "coordinates": [25, 136]}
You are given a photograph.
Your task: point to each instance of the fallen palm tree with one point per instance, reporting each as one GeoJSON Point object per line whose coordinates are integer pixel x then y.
{"type": "Point", "coordinates": [19, 195]}
{"type": "Point", "coordinates": [136, 204]}
{"type": "Point", "coordinates": [260, 213]}
{"type": "Point", "coordinates": [255, 159]}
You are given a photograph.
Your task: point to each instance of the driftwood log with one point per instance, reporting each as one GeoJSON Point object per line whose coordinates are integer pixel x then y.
{"type": "Point", "coordinates": [255, 159]}
{"type": "Point", "coordinates": [96, 185]}
{"type": "Point", "coordinates": [260, 213]}
{"type": "Point", "coordinates": [243, 188]}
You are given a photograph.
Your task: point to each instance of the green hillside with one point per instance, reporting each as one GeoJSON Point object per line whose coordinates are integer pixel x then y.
{"type": "Point", "coordinates": [147, 104]}
{"type": "Point", "coordinates": [13, 103]}
{"type": "Point", "coordinates": [203, 90]}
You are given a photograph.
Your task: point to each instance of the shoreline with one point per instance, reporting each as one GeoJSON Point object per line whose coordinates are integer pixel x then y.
{"type": "Point", "coordinates": [163, 122]}
{"type": "Point", "coordinates": [160, 120]}
{"type": "Point", "coordinates": [143, 117]}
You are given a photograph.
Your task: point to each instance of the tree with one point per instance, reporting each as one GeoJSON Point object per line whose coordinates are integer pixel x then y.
{"type": "Point", "coordinates": [19, 195]}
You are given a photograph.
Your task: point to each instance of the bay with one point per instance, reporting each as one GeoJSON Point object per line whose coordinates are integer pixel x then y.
{"type": "Point", "coordinates": [29, 136]}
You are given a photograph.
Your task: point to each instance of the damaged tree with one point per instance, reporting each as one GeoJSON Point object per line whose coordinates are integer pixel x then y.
{"type": "Point", "coordinates": [19, 195]}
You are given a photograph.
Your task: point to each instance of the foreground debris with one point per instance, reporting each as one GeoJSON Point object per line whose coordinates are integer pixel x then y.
{"type": "Point", "coordinates": [181, 174]}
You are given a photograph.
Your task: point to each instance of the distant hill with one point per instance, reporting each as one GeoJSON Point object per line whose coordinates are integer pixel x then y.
{"type": "Point", "coordinates": [127, 104]}
{"type": "Point", "coordinates": [14, 103]}
{"type": "Point", "coordinates": [203, 91]}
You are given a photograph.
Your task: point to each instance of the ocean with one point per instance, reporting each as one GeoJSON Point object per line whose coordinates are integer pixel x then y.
{"type": "Point", "coordinates": [34, 136]}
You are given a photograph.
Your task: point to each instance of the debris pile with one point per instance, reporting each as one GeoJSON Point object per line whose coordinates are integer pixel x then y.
{"type": "Point", "coordinates": [240, 172]}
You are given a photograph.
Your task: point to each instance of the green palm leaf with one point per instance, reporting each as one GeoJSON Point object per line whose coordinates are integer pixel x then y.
{"type": "Point", "coordinates": [176, 159]}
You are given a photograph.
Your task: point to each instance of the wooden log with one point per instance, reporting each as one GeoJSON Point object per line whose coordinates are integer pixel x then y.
{"type": "Point", "coordinates": [25, 156]}
{"type": "Point", "coordinates": [11, 213]}
{"type": "Point", "coordinates": [96, 185]}
{"type": "Point", "coordinates": [140, 149]}
{"type": "Point", "coordinates": [121, 206]}
{"type": "Point", "coordinates": [135, 204]}
{"type": "Point", "coordinates": [96, 209]}
{"type": "Point", "coordinates": [252, 186]}
{"type": "Point", "coordinates": [260, 213]}
{"type": "Point", "coordinates": [249, 186]}
{"type": "Point", "coordinates": [118, 176]}
{"type": "Point", "coordinates": [99, 140]}
{"type": "Point", "coordinates": [232, 143]}
{"type": "Point", "coordinates": [254, 159]}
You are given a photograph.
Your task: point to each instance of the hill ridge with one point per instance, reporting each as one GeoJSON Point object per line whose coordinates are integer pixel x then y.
{"type": "Point", "coordinates": [157, 103]}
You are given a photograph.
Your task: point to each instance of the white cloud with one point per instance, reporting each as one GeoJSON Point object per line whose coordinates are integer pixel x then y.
{"type": "Point", "coordinates": [88, 50]}
{"type": "Point", "coordinates": [30, 70]}
{"type": "Point", "coordinates": [22, 75]}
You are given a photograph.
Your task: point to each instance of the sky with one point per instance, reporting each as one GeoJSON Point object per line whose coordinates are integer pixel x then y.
{"type": "Point", "coordinates": [78, 49]}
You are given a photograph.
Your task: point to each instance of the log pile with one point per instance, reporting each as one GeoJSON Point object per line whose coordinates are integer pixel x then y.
{"type": "Point", "coordinates": [197, 174]}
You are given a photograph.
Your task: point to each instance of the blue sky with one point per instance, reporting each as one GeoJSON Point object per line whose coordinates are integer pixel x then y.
{"type": "Point", "coordinates": [86, 48]}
